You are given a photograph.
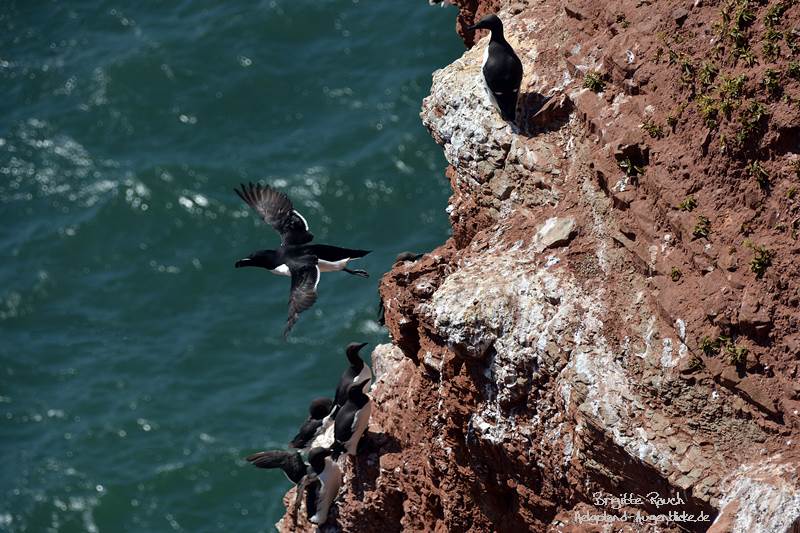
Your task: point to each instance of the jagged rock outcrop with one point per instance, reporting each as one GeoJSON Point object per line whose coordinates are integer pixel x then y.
{"type": "Point", "coordinates": [580, 336]}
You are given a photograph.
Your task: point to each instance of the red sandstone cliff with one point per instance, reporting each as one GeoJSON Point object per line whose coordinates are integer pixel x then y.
{"type": "Point", "coordinates": [616, 311]}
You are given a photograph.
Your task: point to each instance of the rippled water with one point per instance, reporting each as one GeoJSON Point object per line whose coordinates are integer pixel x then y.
{"type": "Point", "coordinates": [137, 365]}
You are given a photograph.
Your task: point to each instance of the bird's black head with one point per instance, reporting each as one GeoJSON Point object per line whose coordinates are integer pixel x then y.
{"type": "Point", "coordinates": [320, 407]}
{"type": "Point", "coordinates": [489, 22]}
{"type": "Point", "coordinates": [316, 458]}
{"type": "Point", "coordinates": [263, 258]}
{"type": "Point", "coordinates": [356, 393]}
{"type": "Point", "coordinates": [352, 355]}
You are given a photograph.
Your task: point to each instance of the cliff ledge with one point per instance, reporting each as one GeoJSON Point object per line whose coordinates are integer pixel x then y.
{"type": "Point", "coordinates": [615, 312]}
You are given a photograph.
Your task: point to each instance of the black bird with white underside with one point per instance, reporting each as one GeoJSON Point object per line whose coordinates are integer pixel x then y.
{"type": "Point", "coordinates": [322, 484]}
{"type": "Point", "coordinates": [352, 419]}
{"type": "Point", "coordinates": [356, 371]}
{"type": "Point", "coordinates": [295, 257]}
{"type": "Point", "coordinates": [318, 410]}
{"type": "Point", "coordinates": [502, 69]}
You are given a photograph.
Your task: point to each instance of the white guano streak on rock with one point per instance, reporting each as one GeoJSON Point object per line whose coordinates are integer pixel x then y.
{"type": "Point", "coordinates": [461, 118]}
{"type": "Point", "coordinates": [767, 495]}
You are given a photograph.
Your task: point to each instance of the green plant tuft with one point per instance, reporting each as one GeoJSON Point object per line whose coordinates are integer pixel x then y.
{"type": "Point", "coordinates": [593, 81]}
{"type": "Point", "coordinates": [702, 229]}
{"type": "Point", "coordinates": [709, 110]}
{"type": "Point", "coordinates": [631, 169]}
{"type": "Point", "coordinates": [750, 121]}
{"type": "Point", "coordinates": [759, 173]}
{"type": "Point", "coordinates": [771, 50]}
{"type": "Point", "coordinates": [708, 72]}
{"type": "Point", "coordinates": [654, 130]}
{"type": "Point", "coordinates": [695, 364]}
{"type": "Point", "coordinates": [688, 204]}
{"type": "Point", "coordinates": [737, 355]}
{"type": "Point", "coordinates": [772, 82]}
{"type": "Point", "coordinates": [775, 13]}
{"type": "Point", "coordinates": [710, 347]}
{"type": "Point", "coordinates": [762, 259]}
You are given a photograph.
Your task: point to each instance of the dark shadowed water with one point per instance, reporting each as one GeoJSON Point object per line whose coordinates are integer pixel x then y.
{"type": "Point", "coordinates": [137, 366]}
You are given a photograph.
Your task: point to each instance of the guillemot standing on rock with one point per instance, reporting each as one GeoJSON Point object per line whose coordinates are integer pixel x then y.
{"type": "Point", "coordinates": [357, 371]}
{"type": "Point", "coordinates": [352, 419]}
{"type": "Point", "coordinates": [325, 478]}
{"type": "Point", "coordinates": [290, 462]}
{"type": "Point", "coordinates": [502, 69]}
{"type": "Point", "coordinates": [296, 258]}
{"type": "Point", "coordinates": [318, 410]}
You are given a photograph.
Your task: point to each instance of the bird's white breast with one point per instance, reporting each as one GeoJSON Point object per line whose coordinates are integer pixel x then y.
{"type": "Point", "coordinates": [281, 270]}
{"type": "Point", "coordinates": [330, 481]}
{"type": "Point", "coordinates": [326, 436]}
{"type": "Point", "coordinates": [365, 373]}
{"type": "Point", "coordinates": [360, 424]}
{"type": "Point", "coordinates": [492, 99]}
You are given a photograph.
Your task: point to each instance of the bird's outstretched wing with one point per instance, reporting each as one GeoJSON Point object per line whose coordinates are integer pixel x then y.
{"type": "Point", "coordinates": [305, 277]}
{"type": "Point", "coordinates": [268, 459]}
{"type": "Point", "coordinates": [290, 462]}
{"type": "Point", "coordinates": [277, 211]}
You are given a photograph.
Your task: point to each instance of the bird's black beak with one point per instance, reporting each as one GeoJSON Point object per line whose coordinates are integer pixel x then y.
{"type": "Point", "coordinates": [243, 262]}
{"type": "Point", "coordinates": [472, 27]}
{"type": "Point", "coordinates": [362, 345]}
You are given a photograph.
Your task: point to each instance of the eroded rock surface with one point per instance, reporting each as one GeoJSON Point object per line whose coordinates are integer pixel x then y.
{"type": "Point", "coordinates": [576, 338]}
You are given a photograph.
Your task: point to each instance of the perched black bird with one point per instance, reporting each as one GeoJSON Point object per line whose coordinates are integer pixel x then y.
{"type": "Point", "coordinates": [290, 462]}
{"type": "Point", "coordinates": [381, 311]}
{"type": "Point", "coordinates": [295, 257]}
{"type": "Point", "coordinates": [352, 419]}
{"type": "Point", "coordinates": [357, 371]}
{"type": "Point", "coordinates": [407, 256]}
{"type": "Point", "coordinates": [317, 411]}
{"type": "Point", "coordinates": [502, 69]}
{"type": "Point", "coordinates": [322, 485]}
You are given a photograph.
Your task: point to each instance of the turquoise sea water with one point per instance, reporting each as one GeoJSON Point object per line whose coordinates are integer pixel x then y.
{"type": "Point", "coordinates": [137, 366]}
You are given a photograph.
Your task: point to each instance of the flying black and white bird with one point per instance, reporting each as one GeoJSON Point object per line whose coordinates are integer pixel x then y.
{"type": "Point", "coordinates": [322, 486]}
{"type": "Point", "coordinates": [502, 69]}
{"type": "Point", "coordinates": [356, 371]}
{"type": "Point", "coordinates": [295, 257]}
{"type": "Point", "coordinates": [290, 462]}
{"type": "Point", "coordinates": [318, 410]}
{"type": "Point", "coordinates": [352, 419]}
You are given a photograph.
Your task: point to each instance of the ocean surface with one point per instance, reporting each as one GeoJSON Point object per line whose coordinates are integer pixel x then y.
{"type": "Point", "coordinates": [137, 366]}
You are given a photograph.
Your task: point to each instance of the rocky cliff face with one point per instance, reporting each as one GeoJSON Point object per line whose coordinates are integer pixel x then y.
{"type": "Point", "coordinates": [616, 310]}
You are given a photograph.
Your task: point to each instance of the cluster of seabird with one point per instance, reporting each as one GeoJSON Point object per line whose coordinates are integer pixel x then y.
{"type": "Point", "coordinates": [333, 427]}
